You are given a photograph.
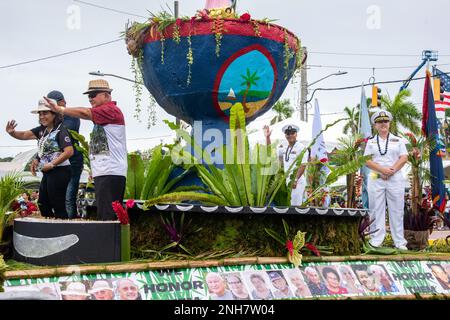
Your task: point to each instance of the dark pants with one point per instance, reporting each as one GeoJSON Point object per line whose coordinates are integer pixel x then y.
{"type": "Point", "coordinates": [107, 190]}
{"type": "Point", "coordinates": [52, 192]}
{"type": "Point", "coordinates": [72, 190]}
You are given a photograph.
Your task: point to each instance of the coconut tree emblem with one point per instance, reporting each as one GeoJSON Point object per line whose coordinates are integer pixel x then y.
{"type": "Point", "coordinates": [249, 80]}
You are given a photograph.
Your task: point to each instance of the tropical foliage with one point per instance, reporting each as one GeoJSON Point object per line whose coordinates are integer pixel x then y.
{"type": "Point", "coordinates": [242, 182]}
{"type": "Point", "coordinates": [419, 217]}
{"type": "Point", "coordinates": [349, 154]}
{"type": "Point", "coordinates": [150, 179]}
{"type": "Point", "coordinates": [404, 112]}
{"type": "Point", "coordinates": [11, 186]}
{"type": "Point", "coordinates": [283, 111]}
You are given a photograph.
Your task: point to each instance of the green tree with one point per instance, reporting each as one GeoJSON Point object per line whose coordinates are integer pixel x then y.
{"type": "Point", "coordinates": [404, 112]}
{"type": "Point", "coordinates": [353, 119]}
{"type": "Point", "coordinates": [283, 111]}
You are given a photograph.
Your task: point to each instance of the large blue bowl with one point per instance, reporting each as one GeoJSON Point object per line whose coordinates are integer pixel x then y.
{"type": "Point", "coordinates": [249, 62]}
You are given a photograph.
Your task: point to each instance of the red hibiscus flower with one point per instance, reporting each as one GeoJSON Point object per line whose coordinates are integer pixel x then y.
{"type": "Point", "coordinates": [245, 17]}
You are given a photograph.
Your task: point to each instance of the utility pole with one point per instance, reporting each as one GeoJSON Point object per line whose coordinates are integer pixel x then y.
{"type": "Point", "coordinates": [303, 89]}
{"type": "Point", "coordinates": [175, 4]}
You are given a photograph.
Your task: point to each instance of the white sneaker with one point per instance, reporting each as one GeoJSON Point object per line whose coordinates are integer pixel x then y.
{"type": "Point", "coordinates": [402, 248]}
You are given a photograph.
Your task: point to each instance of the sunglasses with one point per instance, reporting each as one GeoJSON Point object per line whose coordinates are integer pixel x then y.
{"type": "Point", "coordinates": [93, 94]}
{"type": "Point", "coordinates": [382, 121]}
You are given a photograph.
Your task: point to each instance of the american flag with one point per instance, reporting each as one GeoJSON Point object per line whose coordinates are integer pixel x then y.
{"type": "Point", "coordinates": [445, 84]}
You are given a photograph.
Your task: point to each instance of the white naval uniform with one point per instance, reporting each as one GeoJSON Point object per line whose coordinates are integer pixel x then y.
{"type": "Point", "coordinates": [391, 190]}
{"type": "Point", "coordinates": [289, 155]}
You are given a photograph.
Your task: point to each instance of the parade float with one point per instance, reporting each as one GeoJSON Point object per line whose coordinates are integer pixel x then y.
{"type": "Point", "coordinates": [203, 217]}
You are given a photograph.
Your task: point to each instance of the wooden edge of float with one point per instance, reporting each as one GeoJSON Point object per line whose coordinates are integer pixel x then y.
{"type": "Point", "coordinates": [181, 264]}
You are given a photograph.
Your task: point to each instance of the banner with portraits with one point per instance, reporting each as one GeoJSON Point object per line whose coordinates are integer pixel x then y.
{"type": "Point", "coordinates": [250, 282]}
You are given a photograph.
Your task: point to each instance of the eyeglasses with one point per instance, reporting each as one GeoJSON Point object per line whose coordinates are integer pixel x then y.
{"type": "Point", "coordinates": [382, 121]}
{"type": "Point", "coordinates": [93, 94]}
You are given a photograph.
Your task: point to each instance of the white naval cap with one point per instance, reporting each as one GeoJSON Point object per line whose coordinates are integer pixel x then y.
{"type": "Point", "coordinates": [290, 127]}
{"type": "Point", "coordinates": [381, 115]}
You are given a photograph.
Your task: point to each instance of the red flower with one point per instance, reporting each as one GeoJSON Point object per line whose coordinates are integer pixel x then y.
{"type": "Point", "coordinates": [290, 247]}
{"type": "Point", "coordinates": [178, 22]}
{"type": "Point", "coordinates": [121, 213]}
{"type": "Point", "coordinates": [245, 17]}
{"type": "Point", "coordinates": [324, 160]}
{"type": "Point", "coordinates": [130, 203]}
{"type": "Point", "coordinates": [313, 249]}
{"type": "Point", "coordinates": [412, 137]}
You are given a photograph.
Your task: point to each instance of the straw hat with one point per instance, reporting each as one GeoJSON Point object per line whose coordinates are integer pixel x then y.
{"type": "Point", "coordinates": [42, 106]}
{"type": "Point", "coordinates": [99, 286]}
{"type": "Point", "coordinates": [75, 288]}
{"type": "Point", "coordinates": [98, 85]}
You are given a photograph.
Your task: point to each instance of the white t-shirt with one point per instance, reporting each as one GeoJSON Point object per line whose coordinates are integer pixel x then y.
{"type": "Point", "coordinates": [108, 148]}
{"type": "Point", "coordinates": [289, 156]}
{"type": "Point", "coordinates": [396, 147]}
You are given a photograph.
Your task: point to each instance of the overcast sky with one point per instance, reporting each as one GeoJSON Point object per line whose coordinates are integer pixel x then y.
{"type": "Point", "coordinates": [32, 29]}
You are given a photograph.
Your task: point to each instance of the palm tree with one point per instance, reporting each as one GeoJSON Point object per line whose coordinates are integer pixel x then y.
{"type": "Point", "coordinates": [283, 110]}
{"type": "Point", "coordinates": [249, 80]}
{"type": "Point", "coordinates": [404, 113]}
{"type": "Point", "coordinates": [353, 120]}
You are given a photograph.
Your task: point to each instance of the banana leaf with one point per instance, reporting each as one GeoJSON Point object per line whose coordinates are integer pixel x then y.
{"type": "Point", "coordinates": [135, 176]}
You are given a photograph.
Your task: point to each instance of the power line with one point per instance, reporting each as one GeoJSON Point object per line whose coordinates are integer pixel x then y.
{"type": "Point", "coordinates": [109, 9]}
{"type": "Point", "coordinates": [371, 54]}
{"type": "Point", "coordinates": [364, 54]}
{"type": "Point", "coordinates": [60, 54]}
{"type": "Point", "coordinates": [363, 85]}
{"type": "Point", "coordinates": [369, 68]}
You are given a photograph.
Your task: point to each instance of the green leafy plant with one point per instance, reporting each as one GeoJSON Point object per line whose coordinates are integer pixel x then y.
{"type": "Point", "coordinates": [177, 231]}
{"type": "Point", "coordinates": [147, 180]}
{"type": "Point", "coordinates": [11, 186]}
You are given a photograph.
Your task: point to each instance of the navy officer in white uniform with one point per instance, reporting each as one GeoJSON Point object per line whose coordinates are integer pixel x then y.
{"type": "Point", "coordinates": [386, 182]}
{"type": "Point", "coordinates": [288, 152]}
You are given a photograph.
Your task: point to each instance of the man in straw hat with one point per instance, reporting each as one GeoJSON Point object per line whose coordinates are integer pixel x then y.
{"type": "Point", "coordinates": [288, 153]}
{"type": "Point", "coordinates": [386, 183]}
{"type": "Point", "coordinates": [108, 150]}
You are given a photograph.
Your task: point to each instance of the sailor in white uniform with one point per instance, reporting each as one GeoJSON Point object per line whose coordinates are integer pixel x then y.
{"type": "Point", "coordinates": [386, 182]}
{"type": "Point", "coordinates": [288, 152]}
